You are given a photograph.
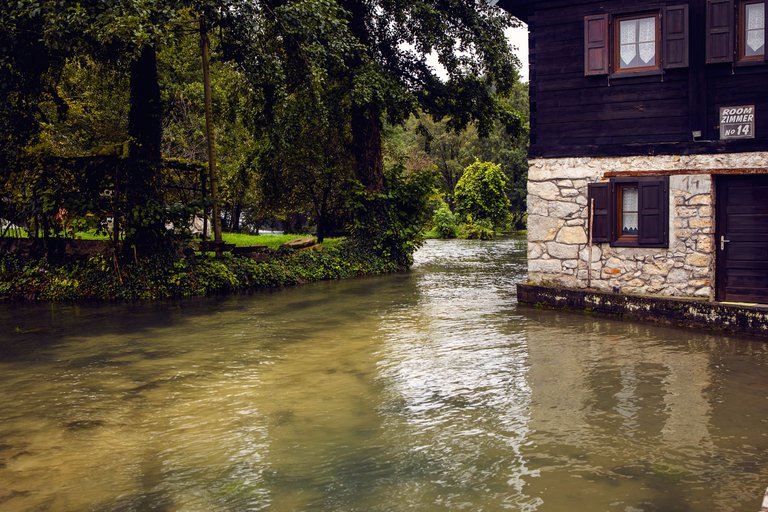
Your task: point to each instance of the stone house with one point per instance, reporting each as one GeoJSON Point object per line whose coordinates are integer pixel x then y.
{"type": "Point", "coordinates": [649, 147]}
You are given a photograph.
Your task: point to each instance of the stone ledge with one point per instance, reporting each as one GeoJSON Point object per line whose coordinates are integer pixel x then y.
{"type": "Point", "coordinates": [681, 312]}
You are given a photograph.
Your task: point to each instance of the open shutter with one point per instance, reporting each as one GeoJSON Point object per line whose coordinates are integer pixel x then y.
{"type": "Point", "coordinates": [720, 31]}
{"type": "Point", "coordinates": [653, 213]}
{"type": "Point", "coordinates": [596, 45]}
{"type": "Point", "coordinates": [601, 217]}
{"type": "Point", "coordinates": [675, 36]}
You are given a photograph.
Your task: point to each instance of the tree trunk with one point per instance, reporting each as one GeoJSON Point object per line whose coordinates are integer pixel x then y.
{"type": "Point", "coordinates": [237, 210]}
{"type": "Point", "coordinates": [366, 142]}
{"type": "Point", "coordinates": [366, 117]}
{"type": "Point", "coordinates": [142, 192]}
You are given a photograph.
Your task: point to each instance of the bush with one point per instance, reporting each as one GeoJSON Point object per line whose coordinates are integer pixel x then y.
{"type": "Point", "coordinates": [477, 230]}
{"type": "Point", "coordinates": [391, 224]}
{"type": "Point", "coordinates": [445, 223]}
{"type": "Point", "coordinates": [98, 278]}
{"type": "Point", "coordinates": [480, 194]}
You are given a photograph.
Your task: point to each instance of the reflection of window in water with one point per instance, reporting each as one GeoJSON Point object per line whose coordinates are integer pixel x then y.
{"type": "Point", "coordinates": [628, 217]}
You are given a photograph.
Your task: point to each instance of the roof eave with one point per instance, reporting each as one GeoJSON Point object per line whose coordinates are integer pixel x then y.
{"type": "Point", "coordinates": [518, 8]}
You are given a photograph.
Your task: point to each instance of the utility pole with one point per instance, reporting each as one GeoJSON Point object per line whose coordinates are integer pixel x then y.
{"type": "Point", "coordinates": [209, 132]}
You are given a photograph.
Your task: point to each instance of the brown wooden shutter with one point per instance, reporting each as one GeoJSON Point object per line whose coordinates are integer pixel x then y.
{"type": "Point", "coordinates": [653, 213]}
{"type": "Point", "coordinates": [675, 36]}
{"type": "Point", "coordinates": [601, 218]}
{"type": "Point", "coordinates": [596, 45]}
{"type": "Point", "coordinates": [720, 31]}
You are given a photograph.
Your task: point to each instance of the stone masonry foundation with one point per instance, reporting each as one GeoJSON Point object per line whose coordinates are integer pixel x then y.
{"type": "Point", "coordinates": [557, 226]}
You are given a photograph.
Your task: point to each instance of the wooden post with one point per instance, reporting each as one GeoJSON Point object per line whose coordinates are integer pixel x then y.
{"type": "Point", "coordinates": [209, 132]}
{"type": "Point", "coordinates": [589, 242]}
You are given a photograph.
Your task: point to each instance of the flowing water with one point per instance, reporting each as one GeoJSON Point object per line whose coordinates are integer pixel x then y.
{"type": "Point", "coordinates": [426, 391]}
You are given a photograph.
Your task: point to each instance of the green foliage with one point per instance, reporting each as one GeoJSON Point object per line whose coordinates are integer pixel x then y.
{"type": "Point", "coordinates": [480, 194]}
{"type": "Point", "coordinates": [153, 278]}
{"type": "Point", "coordinates": [392, 224]}
{"type": "Point", "coordinates": [445, 222]}
{"type": "Point", "coordinates": [424, 143]}
{"type": "Point", "coordinates": [477, 230]}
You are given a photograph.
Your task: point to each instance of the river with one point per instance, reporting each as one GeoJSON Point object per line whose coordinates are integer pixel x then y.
{"type": "Point", "coordinates": [427, 391]}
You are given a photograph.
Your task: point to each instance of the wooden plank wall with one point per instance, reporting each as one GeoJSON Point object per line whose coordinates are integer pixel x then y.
{"type": "Point", "coordinates": [574, 115]}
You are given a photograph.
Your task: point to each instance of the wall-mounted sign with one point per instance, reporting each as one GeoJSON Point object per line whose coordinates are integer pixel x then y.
{"type": "Point", "coordinates": [737, 122]}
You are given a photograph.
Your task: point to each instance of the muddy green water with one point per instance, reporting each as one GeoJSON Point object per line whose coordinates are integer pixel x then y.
{"type": "Point", "coordinates": [427, 391]}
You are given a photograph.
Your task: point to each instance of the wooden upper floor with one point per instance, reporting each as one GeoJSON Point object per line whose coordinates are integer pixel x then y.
{"type": "Point", "coordinates": [631, 77]}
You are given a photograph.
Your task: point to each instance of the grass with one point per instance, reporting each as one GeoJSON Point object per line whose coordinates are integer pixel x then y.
{"type": "Point", "coordinates": [271, 241]}
{"type": "Point", "coordinates": [239, 239]}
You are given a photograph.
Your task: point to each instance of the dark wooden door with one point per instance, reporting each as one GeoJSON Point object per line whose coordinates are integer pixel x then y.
{"type": "Point", "coordinates": [741, 238]}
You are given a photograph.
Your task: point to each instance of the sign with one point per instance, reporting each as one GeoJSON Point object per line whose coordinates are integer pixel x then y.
{"type": "Point", "coordinates": [737, 122]}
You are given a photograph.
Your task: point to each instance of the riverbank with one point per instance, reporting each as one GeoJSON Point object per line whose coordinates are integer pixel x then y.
{"type": "Point", "coordinates": [101, 278]}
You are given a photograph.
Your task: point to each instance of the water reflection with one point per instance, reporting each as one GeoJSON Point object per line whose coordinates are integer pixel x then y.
{"type": "Point", "coordinates": [426, 391]}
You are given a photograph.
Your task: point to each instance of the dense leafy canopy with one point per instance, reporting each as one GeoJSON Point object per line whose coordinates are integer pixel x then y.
{"type": "Point", "coordinates": [306, 95]}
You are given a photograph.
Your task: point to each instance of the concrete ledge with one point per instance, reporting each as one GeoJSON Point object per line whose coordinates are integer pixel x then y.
{"type": "Point", "coordinates": [682, 312]}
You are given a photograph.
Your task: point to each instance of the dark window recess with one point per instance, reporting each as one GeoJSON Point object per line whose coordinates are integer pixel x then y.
{"type": "Point", "coordinates": [720, 31]}
{"type": "Point", "coordinates": [614, 200]}
{"type": "Point", "coordinates": [596, 48]}
{"type": "Point", "coordinates": [675, 36]}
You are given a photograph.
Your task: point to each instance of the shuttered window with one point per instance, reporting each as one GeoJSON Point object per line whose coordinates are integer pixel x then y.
{"type": "Point", "coordinates": [600, 201]}
{"type": "Point", "coordinates": [720, 31]}
{"type": "Point", "coordinates": [676, 36]}
{"type": "Point", "coordinates": [630, 212]}
{"type": "Point", "coordinates": [596, 49]}
{"type": "Point", "coordinates": [636, 43]}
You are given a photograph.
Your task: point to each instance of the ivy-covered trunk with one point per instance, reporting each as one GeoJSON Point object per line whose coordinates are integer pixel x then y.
{"type": "Point", "coordinates": [144, 213]}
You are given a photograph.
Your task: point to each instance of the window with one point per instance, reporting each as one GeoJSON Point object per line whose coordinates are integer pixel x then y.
{"type": "Point", "coordinates": [627, 211]}
{"type": "Point", "coordinates": [636, 43]}
{"type": "Point", "coordinates": [752, 31]}
{"type": "Point", "coordinates": [631, 212]}
{"type": "Point", "coordinates": [643, 42]}
{"type": "Point", "coordinates": [740, 37]}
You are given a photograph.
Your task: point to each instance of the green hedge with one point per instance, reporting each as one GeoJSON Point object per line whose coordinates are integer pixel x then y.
{"type": "Point", "coordinates": [98, 278]}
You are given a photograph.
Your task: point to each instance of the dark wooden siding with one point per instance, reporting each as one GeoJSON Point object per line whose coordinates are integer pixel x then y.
{"type": "Point", "coordinates": [577, 115]}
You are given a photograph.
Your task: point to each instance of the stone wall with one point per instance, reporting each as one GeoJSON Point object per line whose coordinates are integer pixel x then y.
{"type": "Point", "coordinates": [557, 226]}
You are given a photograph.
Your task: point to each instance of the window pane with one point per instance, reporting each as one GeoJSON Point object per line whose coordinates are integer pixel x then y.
{"type": "Point", "coordinates": [629, 226]}
{"type": "Point", "coordinates": [755, 29]}
{"type": "Point", "coordinates": [637, 43]}
{"type": "Point", "coordinates": [647, 30]}
{"type": "Point", "coordinates": [648, 53]}
{"type": "Point", "coordinates": [628, 31]}
{"type": "Point", "coordinates": [628, 55]}
{"type": "Point", "coordinates": [629, 202]}
{"type": "Point", "coordinates": [755, 16]}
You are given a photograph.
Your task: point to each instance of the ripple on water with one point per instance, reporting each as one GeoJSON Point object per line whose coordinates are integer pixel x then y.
{"type": "Point", "coordinates": [423, 391]}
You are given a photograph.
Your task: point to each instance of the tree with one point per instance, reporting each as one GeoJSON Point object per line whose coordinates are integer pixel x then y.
{"type": "Point", "coordinates": [124, 35]}
{"type": "Point", "coordinates": [306, 166]}
{"type": "Point", "coordinates": [377, 49]}
{"type": "Point", "coordinates": [480, 194]}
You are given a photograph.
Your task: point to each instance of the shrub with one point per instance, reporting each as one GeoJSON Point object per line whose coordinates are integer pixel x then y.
{"type": "Point", "coordinates": [477, 230]}
{"type": "Point", "coordinates": [480, 194]}
{"type": "Point", "coordinates": [444, 221]}
{"type": "Point", "coordinates": [98, 278]}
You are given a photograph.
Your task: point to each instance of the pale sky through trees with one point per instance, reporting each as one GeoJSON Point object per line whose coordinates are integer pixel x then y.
{"type": "Point", "coordinates": [518, 38]}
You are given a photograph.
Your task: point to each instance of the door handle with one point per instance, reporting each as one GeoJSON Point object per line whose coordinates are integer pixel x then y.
{"type": "Point", "coordinates": [723, 241]}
